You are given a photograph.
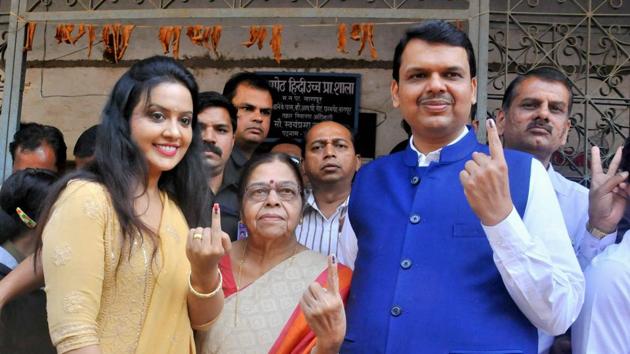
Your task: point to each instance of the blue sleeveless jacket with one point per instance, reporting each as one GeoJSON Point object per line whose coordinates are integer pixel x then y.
{"type": "Point", "coordinates": [424, 279]}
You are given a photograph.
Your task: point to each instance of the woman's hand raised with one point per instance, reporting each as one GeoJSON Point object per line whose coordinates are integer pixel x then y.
{"type": "Point", "coordinates": [324, 312]}
{"type": "Point", "coordinates": [204, 249]}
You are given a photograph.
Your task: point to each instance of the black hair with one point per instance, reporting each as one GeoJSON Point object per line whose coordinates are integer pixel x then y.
{"type": "Point", "coordinates": [406, 127]}
{"type": "Point", "coordinates": [625, 157]}
{"type": "Point", "coordinates": [30, 136]}
{"type": "Point", "coordinates": [86, 143]}
{"type": "Point", "coordinates": [209, 99]}
{"type": "Point", "coordinates": [436, 32]}
{"type": "Point", "coordinates": [248, 79]}
{"type": "Point", "coordinates": [543, 73]}
{"type": "Point", "coordinates": [262, 159]}
{"type": "Point", "coordinates": [24, 189]}
{"type": "Point", "coordinates": [119, 164]}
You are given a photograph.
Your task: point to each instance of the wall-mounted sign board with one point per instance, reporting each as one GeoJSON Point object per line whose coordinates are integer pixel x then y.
{"type": "Point", "coordinates": [305, 99]}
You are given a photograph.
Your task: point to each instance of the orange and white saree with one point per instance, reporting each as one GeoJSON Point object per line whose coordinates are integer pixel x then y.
{"type": "Point", "coordinates": [265, 316]}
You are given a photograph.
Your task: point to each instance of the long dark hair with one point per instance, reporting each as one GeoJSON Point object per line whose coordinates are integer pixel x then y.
{"type": "Point", "coordinates": [24, 189]}
{"type": "Point", "coordinates": [119, 164]}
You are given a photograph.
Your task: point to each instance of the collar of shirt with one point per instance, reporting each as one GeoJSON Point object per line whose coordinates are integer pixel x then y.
{"type": "Point", "coordinates": [229, 180]}
{"type": "Point", "coordinates": [434, 156]}
{"type": "Point", "coordinates": [558, 181]}
{"type": "Point", "coordinates": [311, 203]}
{"type": "Point", "coordinates": [13, 251]}
{"type": "Point", "coordinates": [238, 156]}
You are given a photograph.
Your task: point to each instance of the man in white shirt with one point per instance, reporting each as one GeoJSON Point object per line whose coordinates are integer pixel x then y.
{"type": "Point", "coordinates": [604, 323]}
{"type": "Point", "coordinates": [535, 118]}
{"type": "Point", "coordinates": [603, 326]}
{"type": "Point", "coordinates": [454, 255]}
{"type": "Point", "coordinates": [330, 162]}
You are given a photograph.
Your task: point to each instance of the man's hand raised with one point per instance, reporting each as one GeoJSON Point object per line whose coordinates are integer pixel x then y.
{"type": "Point", "coordinates": [608, 194]}
{"type": "Point", "coordinates": [485, 181]}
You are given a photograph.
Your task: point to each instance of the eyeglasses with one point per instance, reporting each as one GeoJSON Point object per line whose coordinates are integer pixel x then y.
{"type": "Point", "coordinates": [248, 110]}
{"type": "Point", "coordinates": [259, 192]}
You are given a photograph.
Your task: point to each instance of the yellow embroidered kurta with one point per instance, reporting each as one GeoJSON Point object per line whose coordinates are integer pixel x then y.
{"type": "Point", "coordinates": [97, 294]}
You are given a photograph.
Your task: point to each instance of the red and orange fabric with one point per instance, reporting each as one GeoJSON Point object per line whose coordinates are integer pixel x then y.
{"type": "Point", "coordinates": [296, 336]}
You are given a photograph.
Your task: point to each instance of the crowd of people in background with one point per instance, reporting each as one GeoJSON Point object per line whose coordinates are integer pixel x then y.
{"type": "Point", "coordinates": [180, 229]}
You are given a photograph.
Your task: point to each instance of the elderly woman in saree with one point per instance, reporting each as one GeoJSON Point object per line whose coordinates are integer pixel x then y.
{"type": "Point", "coordinates": [280, 296]}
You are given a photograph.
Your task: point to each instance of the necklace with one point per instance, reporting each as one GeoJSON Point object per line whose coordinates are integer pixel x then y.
{"type": "Point", "coordinates": [240, 270]}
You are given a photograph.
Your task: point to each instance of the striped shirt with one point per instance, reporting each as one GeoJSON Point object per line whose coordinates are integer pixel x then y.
{"type": "Point", "coordinates": [332, 235]}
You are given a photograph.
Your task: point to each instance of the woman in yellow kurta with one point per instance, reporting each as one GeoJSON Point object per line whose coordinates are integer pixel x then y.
{"type": "Point", "coordinates": [116, 238]}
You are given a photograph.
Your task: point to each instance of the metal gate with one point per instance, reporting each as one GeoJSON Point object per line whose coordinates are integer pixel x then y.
{"type": "Point", "coordinates": [588, 40]}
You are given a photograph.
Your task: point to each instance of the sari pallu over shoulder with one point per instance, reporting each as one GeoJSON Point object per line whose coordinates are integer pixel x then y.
{"type": "Point", "coordinates": [296, 336]}
{"type": "Point", "coordinates": [269, 316]}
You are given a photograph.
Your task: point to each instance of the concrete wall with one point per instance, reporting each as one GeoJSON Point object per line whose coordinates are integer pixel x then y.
{"type": "Point", "coordinates": [65, 89]}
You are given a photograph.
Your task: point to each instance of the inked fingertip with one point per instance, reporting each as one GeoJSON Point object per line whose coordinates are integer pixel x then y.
{"type": "Point", "coordinates": [491, 123]}
{"type": "Point", "coordinates": [215, 208]}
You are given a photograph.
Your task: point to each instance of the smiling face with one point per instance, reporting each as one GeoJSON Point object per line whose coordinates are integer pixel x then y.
{"type": "Point", "coordinates": [537, 120]}
{"type": "Point", "coordinates": [277, 214]}
{"type": "Point", "coordinates": [435, 91]}
{"type": "Point", "coordinates": [162, 127]}
{"type": "Point", "coordinates": [254, 115]}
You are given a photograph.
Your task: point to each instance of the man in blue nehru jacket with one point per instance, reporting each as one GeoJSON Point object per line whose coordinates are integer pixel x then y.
{"type": "Point", "coordinates": [462, 247]}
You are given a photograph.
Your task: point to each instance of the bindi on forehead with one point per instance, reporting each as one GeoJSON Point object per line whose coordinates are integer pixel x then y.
{"type": "Point", "coordinates": [271, 183]}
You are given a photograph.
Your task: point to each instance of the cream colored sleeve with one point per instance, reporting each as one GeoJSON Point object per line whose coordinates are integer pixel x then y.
{"type": "Point", "coordinates": [73, 259]}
